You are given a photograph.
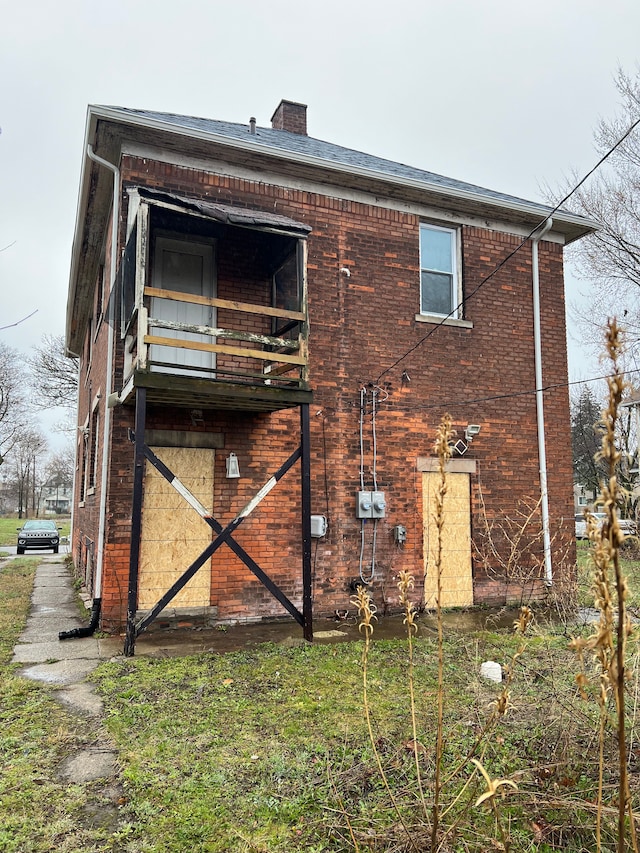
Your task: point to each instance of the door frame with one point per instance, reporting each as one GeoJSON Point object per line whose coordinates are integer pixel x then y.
{"type": "Point", "coordinates": [204, 248]}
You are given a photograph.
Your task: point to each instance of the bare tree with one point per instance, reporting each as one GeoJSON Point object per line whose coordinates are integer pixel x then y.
{"type": "Point", "coordinates": [60, 465]}
{"type": "Point", "coordinates": [26, 457]}
{"type": "Point", "coordinates": [12, 399]}
{"type": "Point", "coordinates": [54, 374]}
{"type": "Point", "coordinates": [610, 258]}
{"type": "Point", "coordinates": [586, 439]}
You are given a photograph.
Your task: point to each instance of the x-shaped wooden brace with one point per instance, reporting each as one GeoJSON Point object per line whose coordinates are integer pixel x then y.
{"type": "Point", "coordinates": [224, 536]}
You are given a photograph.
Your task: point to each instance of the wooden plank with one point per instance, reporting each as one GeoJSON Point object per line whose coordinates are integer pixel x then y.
{"type": "Point", "coordinates": [457, 582]}
{"type": "Point", "coordinates": [277, 369]}
{"type": "Point", "coordinates": [173, 534]}
{"type": "Point", "coordinates": [232, 305]}
{"type": "Point", "coordinates": [230, 334]}
{"type": "Point", "coordinates": [431, 464]}
{"type": "Point", "coordinates": [176, 343]}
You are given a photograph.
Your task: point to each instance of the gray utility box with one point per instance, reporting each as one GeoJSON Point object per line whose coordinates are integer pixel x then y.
{"type": "Point", "coordinates": [371, 505]}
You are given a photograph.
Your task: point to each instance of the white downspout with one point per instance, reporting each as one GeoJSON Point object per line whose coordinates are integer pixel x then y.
{"type": "Point", "coordinates": [542, 451]}
{"type": "Point", "coordinates": [115, 217]}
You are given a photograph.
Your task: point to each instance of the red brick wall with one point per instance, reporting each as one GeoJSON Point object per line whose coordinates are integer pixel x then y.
{"type": "Point", "coordinates": [359, 325]}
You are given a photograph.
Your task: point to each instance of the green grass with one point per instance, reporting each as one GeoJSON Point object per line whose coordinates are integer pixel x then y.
{"type": "Point", "coordinates": [37, 811]}
{"type": "Point", "coordinates": [630, 562]}
{"type": "Point", "coordinates": [9, 526]}
{"type": "Point", "coordinates": [266, 749]}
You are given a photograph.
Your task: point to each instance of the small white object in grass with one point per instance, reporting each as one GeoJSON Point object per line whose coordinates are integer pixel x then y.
{"type": "Point", "coordinates": [491, 671]}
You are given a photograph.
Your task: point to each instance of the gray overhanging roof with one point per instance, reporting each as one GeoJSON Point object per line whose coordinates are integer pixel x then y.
{"type": "Point", "coordinates": [228, 214]}
{"type": "Point", "coordinates": [301, 157]}
{"type": "Point", "coordinates": [310, 151]}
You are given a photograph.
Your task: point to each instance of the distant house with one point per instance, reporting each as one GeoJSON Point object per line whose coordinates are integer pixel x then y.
{"type": "Point", "coordinates": [56, 497]}
{"type": "Point", "coordinates": [583, 498]}
{"type": "Point", "coordinates": [271, 328]}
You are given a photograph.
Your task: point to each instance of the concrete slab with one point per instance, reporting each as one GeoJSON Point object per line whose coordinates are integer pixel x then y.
{"type": "Point", "coordinates": [88, 765]}
{"type": "Point", "coordinates": [52, 570]}
{"type": "Point", "coordinates": [52, 595]}
{"type": "Point", "coordinates": [61, 672]}
{"type": "Point", "coordinates": [42, 627]}
{"type": "Point", "coordinates": [67, 610]}
{"type": "Point", "coordinates": [327, 635]}
{"type": "Point", "coordinates": [56, 650]}
{"type": "Point", "coordinates": [81, 699]}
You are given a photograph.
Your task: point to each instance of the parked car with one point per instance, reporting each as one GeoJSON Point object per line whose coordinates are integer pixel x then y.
{"type": "Point", "coordinates": [38, 533]}
{"type": "Point", "coordinates": [581, 523]}
{"type": "Point", "coordinates": [627, 525]}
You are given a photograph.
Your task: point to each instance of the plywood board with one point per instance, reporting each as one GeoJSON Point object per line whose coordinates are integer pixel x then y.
{"type": "Point", "coordinates": [173, 534]}
{"type": "Point", "coordinates": [457, 583]}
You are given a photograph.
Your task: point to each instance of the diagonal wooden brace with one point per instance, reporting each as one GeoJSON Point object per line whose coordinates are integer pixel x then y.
{"type": "Point", "coordinates": [224, 535]}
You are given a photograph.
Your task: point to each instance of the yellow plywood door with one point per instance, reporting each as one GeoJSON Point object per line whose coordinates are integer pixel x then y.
{"type": "Point", "coordinates": [173, 534]}
{"type": "Point", "coordinates": [457, 584]}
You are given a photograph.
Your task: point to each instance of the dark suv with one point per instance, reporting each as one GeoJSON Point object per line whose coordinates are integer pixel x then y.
{"type": "Point", "coordinates": [38, 534]}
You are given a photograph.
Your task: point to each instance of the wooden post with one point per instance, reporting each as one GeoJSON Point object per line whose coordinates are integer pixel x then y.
{"type": "Point", "coordinates": [136, 521]}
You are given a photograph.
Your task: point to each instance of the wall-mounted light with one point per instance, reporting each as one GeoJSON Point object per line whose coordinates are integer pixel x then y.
{"type": "Point", "coordinates": [233, 470]}
{"type": "Point", "coordinates": [462, 444]}
{"type": "Point", "coordinates": [471, 431]}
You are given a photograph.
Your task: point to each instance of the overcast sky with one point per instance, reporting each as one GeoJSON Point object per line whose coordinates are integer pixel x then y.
{"type": "Point", "coordinates": [500, 93]}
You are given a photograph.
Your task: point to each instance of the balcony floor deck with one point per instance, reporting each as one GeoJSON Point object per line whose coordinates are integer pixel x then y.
{"type": "Point", "coordinates": [210, 394]}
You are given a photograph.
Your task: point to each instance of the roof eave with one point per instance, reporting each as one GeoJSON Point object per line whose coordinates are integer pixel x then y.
{"type": "Point", "coordinates": [71, 341]}
{"type": "Point", "coordinates": [572, 226]}
{"type": "Point", "coordinates": [577, 226]}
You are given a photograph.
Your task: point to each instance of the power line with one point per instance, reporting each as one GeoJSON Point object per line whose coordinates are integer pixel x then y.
{"type": "Point", "coordinates": [513, 252]}
{"type": "Point", "coordinates": [510, 394]}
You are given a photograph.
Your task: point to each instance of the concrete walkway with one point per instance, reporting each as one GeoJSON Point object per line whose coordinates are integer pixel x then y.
{"type": "Point", "coordinates": [54, 608]}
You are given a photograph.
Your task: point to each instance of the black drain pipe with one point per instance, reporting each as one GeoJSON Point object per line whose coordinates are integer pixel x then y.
{"type": "Point", "coordinates": [89, 630]}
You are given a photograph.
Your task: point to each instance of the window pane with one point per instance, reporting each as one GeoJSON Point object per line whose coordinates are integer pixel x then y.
{"type": "Point", "coordinates": [436, 293]}
{"type": "Point", "coordinates": [435, 250]}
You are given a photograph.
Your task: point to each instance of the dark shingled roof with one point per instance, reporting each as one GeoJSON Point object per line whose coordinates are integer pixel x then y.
{"type": "Point", "coordinates": [267, 138]}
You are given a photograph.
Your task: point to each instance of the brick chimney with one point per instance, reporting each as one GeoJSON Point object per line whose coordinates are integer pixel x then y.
{"type": "Point", "coordinates": [290, 116]}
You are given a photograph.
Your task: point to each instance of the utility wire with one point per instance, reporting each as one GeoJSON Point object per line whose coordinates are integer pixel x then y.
{"type": "Point", "coordinates": [510, 394]}
{"type": "Point", "coordinates": [513, 252]}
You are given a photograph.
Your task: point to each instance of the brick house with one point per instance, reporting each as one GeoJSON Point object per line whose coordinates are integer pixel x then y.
{"type": "Point", "coordinates": [273, 343]}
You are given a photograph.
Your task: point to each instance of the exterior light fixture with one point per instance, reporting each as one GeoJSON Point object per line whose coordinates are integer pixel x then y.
{"type": "Point", "coordinates": [233, 471]}
{"type": "Point", "coordinates": [471, 431]}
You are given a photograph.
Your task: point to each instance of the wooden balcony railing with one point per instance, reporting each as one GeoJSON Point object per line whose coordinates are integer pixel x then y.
{"type": "Point", "coordinates": [244, 355]}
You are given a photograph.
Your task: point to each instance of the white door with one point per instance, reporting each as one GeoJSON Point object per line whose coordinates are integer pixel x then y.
{"type": "Point", "coordinates": [186, 267]}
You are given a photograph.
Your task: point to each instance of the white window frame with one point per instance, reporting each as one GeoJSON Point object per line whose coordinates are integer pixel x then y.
{"type": "Point", "coordinates": [455, 295]}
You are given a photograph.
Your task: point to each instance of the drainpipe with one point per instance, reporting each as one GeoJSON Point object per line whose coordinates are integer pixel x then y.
{"type": "Point", "coordinates": [97, 593]}
{"type": "Point", "coordinates": [115, 216]}
{"type": "Point", "coordinates": [542, 451]}
{"type": "Point", "coordinates": [73, 488]}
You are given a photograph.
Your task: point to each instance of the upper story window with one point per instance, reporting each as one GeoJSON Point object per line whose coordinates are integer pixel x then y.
{"type": "Point", "coordinates": [92, 454]}
{"type": "Point", "coordinates": [439, 271]}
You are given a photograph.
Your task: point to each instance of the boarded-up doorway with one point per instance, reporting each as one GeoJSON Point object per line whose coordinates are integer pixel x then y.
{"type": "Point", "coordinates": [173, 534]}
{"type": "Point", "coordinates": [457, 583]}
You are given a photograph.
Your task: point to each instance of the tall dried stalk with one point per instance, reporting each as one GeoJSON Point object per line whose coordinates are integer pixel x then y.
{"type": "Point", "coordinates": [608, 643]}
{"type": "Point", "coordinates": [366, 612]}
{"type": "Point", "coordinates": [443, 452]}
{"type": "Point", "coordinates": [405, 585]}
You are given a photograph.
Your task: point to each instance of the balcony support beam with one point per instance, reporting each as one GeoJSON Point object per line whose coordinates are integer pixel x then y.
{"type": "Point", "coordinates": [224, 534]}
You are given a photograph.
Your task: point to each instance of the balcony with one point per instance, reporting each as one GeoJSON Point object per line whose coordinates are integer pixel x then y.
{"type": "Point", "coordinates": [213, 305]}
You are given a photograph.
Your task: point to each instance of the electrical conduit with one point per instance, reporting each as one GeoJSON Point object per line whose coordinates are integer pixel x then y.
{"type": "Point", "coordinates": [542, 451]}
